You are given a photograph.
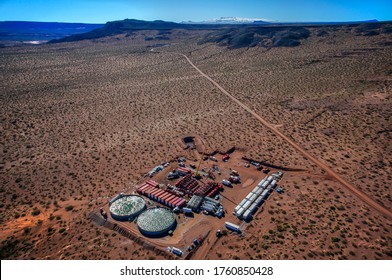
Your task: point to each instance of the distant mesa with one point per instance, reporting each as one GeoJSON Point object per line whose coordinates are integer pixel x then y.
{"type": "Point", "coordinates": [246, 33]}
{"type": "Point", "coordinates": [288, 35]}
{"type": "Point", "coordinates": [277, 36]}
{"type": "Point", "coordinates": [126, 26]}
{"type": "Point", "coordinates": [231, 20]}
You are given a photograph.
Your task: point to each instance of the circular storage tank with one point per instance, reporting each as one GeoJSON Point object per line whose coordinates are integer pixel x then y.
{"type": "Point", "coordinates": [156, 222]}
{"type": "Point", "coordinates": [127, 207]}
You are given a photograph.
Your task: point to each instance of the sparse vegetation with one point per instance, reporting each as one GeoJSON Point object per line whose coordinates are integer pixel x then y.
{"type": "Point", "coordinates": [102, 113]}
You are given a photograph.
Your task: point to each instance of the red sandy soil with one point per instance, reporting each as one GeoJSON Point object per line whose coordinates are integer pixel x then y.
{"type": "Point", "coordinates": [83, 121]}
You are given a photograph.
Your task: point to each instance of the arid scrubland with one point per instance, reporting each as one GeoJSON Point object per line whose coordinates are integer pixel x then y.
{"type": "Point", "coordinates": [83, 121]}
{"type": "Point", "coordinates": [332, 95]}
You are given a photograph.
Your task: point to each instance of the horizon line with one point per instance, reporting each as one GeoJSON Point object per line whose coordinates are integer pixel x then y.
{"type": "Point", "coordinates": [202, 22]}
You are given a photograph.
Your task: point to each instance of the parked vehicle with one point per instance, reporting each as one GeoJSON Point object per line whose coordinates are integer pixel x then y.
{"type": "Point", "coordinates": [219, 213]}
{"type": "Point", "coordinates": [226, 183]}
{"type": "Point", "coordinates": [232, 227]}
{"type": "Point", "coordinates": [226, 157]}
{"type": "Point", "coordinates": [187, 210]}
{"type": "Point", "coordinates": [172, 175]}
{"type": "Point", "coordinates": [175, 251]}
{"type": "Point", "coordinates": [234, 179]}
{"type": "Point", "coordinates": [103, 213]}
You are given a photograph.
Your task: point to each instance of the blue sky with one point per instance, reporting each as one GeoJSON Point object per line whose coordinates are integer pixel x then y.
{"type": "Point", "coordinates": [101, 11]}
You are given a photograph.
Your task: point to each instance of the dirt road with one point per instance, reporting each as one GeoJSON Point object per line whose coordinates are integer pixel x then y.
{"type": "Point", "coordinates": [202, 252]}
{"type": "Point", "coordinates": [332, 173]}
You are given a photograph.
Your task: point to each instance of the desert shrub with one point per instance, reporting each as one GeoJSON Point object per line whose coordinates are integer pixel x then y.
{"type": "Point", "coordinates": [335, 239]}
{"type": "Point", "coordinates": [35, 212]}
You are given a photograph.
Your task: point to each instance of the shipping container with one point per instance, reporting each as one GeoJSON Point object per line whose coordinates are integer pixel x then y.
{"type": "Point", "coordinates": [240, 212]}
{"type": "Point", "coordinates": [154, 190]}
{"type": "Point", "coordinates": [210, 199]}
{"type": "Point", "coordinates": [264, 195]}
{"type": "Point", "coordinates": [247, 204]}
{"type": "Point", "coordinates": [261, 182]}
{"type": "Point", "coordinates": [158, 194]}
{"type": "Point", "coordinates": [172, 197]}
{"type": "Point", "coordinates": [259, 201]}
{"type": "Point", "coordinates": [149, 187]}
{"type": "Point", "coordinates": [153, 193]}
{"type": "Point", "coordinates": [259, 191]}
{"type": "Point", "coordinates": [253, 197]}
{"type": "Point", "coordinates": [255, 189]}
{"type": "Point", "coordinates": [208, 208]}
{"type": "Point", "coordinates": [179, 182]}
{"type": "Point", "coordinates": [210, 203]}
{"type": "Point", "coordinates": [243, 202]}
{"type": "Point", "coordinates": [181, 203]}
{"type": "Point", "coordinates": [177, 203]}
{"type": "Point", "coordinates": [165, 195]}
{"type": "Point", "coordinates": [237, 208]}
{"type": "Point", "coordinates": [177, 200]}
{"type": "Point", "coordinates": [171, 200]}
{"type": "Point", "coordinates": [143, 187]}
{"type": "Point", "coordinates": [253, 208]}
{"type": "Point", "coordinates": [248, 196]}
{"type": "Point", "coordinates": [246, 215]}
{"type": "Point", "coordinates": [185, 170]}
{"type": "Point", "coordinates": [162, 195]}
{"type": "Point", "coordinates": [153, 183]}
{"type": "Point", "coordinates": [265, 184]}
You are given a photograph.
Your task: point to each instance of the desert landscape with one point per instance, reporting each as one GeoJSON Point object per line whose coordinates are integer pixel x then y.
{"type": "Point", "coordinates": [82, 121]}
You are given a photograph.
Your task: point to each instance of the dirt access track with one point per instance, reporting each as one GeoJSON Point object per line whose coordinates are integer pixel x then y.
{"type": "Point", "coordinates": [332, 173]}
